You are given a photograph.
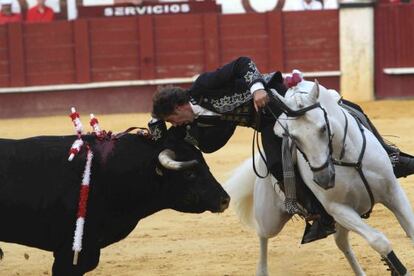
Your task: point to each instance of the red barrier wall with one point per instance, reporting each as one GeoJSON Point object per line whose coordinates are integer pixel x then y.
{"type": "Point", "coordinates": [4, 58]}
{"type": "Point", "coordinates": [97, 101]}
{"type": "Point", "coordinates": [151, 47]}
{"type": "Point", "coordinates": [394, 44]}
{"type": "Point", "coordinates": [168, 46]}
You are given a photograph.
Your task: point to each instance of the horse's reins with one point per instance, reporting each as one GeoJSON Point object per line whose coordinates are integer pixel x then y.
{"type": "Point", "coordinates": [297, 113]}
{"type": "Point", "coordinates": [358, 165]}
{"type": "Point", "coordinates": [256, 140]}
{"type": "Point", "coordinates": [290, 113]}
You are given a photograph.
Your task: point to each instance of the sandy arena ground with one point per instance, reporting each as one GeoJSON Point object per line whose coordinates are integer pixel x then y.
{"type": "Point", "coordinates": [172, 243]}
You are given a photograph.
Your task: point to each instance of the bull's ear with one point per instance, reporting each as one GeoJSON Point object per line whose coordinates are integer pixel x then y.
{"type": "Point", "coordinates": [159, 171]}
{"type": "Point", "coordinates": [314, 93]}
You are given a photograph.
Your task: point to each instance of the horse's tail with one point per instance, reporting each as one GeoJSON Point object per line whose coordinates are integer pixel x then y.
{"type": "Point", "coordinates": [240, 187]}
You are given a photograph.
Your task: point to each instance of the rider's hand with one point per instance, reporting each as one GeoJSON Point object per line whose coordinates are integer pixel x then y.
{"type": "Point", "coordinates": [260, 99]}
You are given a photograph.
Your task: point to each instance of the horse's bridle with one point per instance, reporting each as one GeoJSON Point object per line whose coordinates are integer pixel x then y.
{"type": "Point", "coordinates": [357, 165]}
{"type": "Point", "coordinates": [300, 112]}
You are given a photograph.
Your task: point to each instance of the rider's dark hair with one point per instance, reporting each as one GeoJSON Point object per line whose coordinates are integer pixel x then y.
{"type": "Point", "coordinates": [166, 99]}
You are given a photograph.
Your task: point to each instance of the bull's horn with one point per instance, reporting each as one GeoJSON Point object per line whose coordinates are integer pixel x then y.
{"type": "Point", "coordinates": [166, 158]}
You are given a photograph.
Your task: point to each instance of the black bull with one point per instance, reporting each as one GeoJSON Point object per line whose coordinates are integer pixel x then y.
{"type": "Point", "coordinates": [39, 192]}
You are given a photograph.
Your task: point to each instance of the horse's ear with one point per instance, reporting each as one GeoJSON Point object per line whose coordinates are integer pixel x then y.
{"type": "Point", "coordinates": [314, 94]}
{"type": "Point", "coordinates": [276, 94]}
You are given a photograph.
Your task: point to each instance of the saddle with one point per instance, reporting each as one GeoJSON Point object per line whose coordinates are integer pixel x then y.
{"type": "Point", "coordinates": [403, 163]}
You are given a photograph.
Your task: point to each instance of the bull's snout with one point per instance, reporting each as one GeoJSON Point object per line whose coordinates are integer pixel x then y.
{"type": "Point", "coordinates": [326, 177]}
{"type": "Point", "coordinates": [224, 203]}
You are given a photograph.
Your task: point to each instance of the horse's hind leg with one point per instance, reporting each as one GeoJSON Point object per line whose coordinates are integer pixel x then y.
{"type": "Point", "coordinates": [349, 219]}
{"type": "Point", "coordinates": [342, 241]}
{"type": "Point", "coordinates": [398, 204]}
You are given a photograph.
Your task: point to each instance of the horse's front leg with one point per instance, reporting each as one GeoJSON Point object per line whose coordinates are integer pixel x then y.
{"type": "Point", "coordinates": [261, 269]}
{"type": "Point", "coordinates": [342, 241]}
{"type": "Point", "coordinates": [351, 220]}
{"type": "Point", "coordinates": [270, 216]}
{"type": "Point", "coordinates": [396, 200]}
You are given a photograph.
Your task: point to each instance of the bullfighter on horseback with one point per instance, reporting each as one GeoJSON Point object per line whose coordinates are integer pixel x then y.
{"type": "Point", "coordinates": [208, 113]}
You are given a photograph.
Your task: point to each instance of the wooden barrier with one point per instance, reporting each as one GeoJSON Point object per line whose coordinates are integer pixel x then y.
{"type": "Point", "coordinates": [159, 47]}
{"type": "Point", "coordinates": [394, 40]}
{"type": "Point", "coordinates": [148, 47]}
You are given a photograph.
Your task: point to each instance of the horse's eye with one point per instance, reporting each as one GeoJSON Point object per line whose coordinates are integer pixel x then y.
{"type": "Point", "coordinates": [323, 129]}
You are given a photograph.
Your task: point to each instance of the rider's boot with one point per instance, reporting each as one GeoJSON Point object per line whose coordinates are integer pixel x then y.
{"type": "Point", "coordinates": [319, 229]}
{"type": "Point", "coordinates": [323, 224]}
{"type": "Point", "coordinates": [403, 163]}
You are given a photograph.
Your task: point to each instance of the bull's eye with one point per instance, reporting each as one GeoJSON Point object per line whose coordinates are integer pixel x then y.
{"type": "Point", "coordinates": [190, 175]}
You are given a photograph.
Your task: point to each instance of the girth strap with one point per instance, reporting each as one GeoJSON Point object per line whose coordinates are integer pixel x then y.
{"type": "Point", "coordinates": [358, 167]}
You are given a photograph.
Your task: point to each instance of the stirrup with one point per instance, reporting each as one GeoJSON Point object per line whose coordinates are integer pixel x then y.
{"type": "Point", "coordinates": [316, 231]}
{"type": "Point", "coordinates": [394, 157]}
{"type": "Point", "coordinates": [294, 208]}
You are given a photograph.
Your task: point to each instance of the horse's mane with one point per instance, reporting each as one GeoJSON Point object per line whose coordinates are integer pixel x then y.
{"type": "Point", "coordinates": [299, 93]}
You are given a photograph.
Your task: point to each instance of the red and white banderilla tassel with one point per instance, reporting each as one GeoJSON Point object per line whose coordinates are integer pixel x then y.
{"type": "Point", "coordinates": [77, 145]}
{"type": "Point", "coordinates": [83, 201]}
{"type": "Point", "coordinates": [76, 121]}
{"type": "Point", "coordinates": [95, 125]}
{"type": "Point", "coordinates": [75, 149]}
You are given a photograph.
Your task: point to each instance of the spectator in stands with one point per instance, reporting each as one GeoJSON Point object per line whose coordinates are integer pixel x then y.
{"type": "Point", "coordinates": [16, 6]}
{"type": "Point", "coordinates": [40, 13]}
{"type": "Point", "coordinates": [302, 5]}
{"type": "Point", "coordinates": [6, 13]}
{"type": "Point", "coordinates": [330, 4]}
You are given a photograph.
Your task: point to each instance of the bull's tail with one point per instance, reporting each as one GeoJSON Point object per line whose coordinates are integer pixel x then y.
{"type": "Point", "coordinates": [240, 187]}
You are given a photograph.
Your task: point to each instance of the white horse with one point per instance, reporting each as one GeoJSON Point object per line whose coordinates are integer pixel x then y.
{"type": "Point", "coordinates": [260, 206]}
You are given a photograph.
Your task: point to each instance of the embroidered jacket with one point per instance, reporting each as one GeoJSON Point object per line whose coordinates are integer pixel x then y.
{"type": "Point", "coordinates": [228, 87]}
{"type": "Point", "coordinates": [225, 91]}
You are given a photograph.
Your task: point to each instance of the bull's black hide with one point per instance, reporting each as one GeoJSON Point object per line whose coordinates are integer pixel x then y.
{"type": "Point", "coordinates": [39, 193]}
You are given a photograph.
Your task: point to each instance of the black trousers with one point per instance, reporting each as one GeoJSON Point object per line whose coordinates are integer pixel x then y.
{"type": "Point", "coordinates": [272, 146]}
